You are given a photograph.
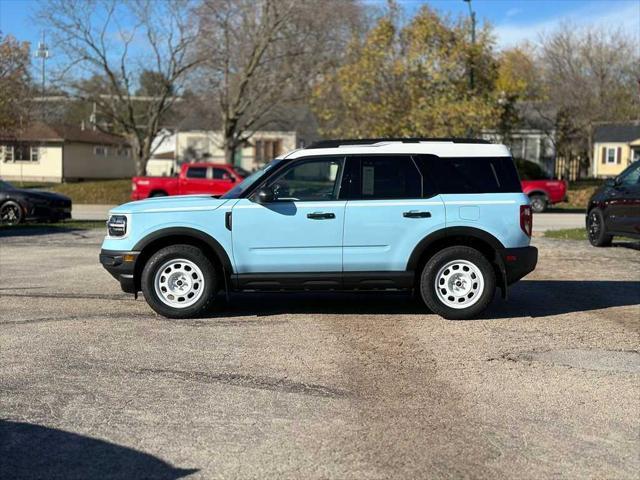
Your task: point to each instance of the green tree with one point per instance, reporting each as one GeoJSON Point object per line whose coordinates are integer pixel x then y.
{"type": "Point", "coordinates": [411, 80]}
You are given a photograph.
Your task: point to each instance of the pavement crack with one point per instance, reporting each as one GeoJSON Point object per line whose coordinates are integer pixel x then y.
{"type": "Point", "coordinates": [283, 385]}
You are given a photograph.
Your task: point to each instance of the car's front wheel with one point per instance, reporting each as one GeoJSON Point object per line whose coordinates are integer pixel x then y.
{"type": "Point", "coordinates": [596, 230]}
{"type": "Point", "coordinates": [457, 283]}
{"type": "Point", "coordinates": [538, 203]}
{"type": "Point", "coordinates": [10, 213]}
{"type": "Point", "coordinates": [179, 281]}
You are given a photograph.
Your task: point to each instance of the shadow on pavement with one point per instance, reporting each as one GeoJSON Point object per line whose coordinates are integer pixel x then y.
{"type": "Point", "coordinates": [34, 230]}
{"type": "Point", "coordinates": [534, 298]}
{"type": "Point", "coordinates": [32, 451]}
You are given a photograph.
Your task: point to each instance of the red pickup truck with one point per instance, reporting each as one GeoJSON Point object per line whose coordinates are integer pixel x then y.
{"type": "Point", "coordinates": [212, 178]}
{"type": "Point", "coordinates": [542, 190]}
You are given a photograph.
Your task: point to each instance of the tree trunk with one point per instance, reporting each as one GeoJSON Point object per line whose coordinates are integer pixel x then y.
{"type": "Point", "coordinates": [141, 151]}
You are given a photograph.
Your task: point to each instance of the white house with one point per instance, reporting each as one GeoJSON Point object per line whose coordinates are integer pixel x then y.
{"type": "Point", "coordinates": [56, 153]}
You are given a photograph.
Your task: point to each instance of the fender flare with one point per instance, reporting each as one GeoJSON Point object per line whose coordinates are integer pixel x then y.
{"type": "Point", "coordinates": [188, 232]}
{"type": "Point", "coordinates": [537, 192]}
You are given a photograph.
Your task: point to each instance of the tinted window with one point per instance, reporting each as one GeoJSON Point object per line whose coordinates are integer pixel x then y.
{"type": "Point", "coordinates": [631, 177]}
{"type": "Point", "coordinates": [471, 175]}
{"type": "Point", "coordinates": [221, 174]}
{"type": "Point", "coordinates": [197, 172]}
{"type": "Point", "coordinates": [309, 180]}
{"type": "Point", "coordinates": [384, 177]}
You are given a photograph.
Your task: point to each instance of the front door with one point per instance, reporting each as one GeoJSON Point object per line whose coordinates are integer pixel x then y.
{"type": "Point", "coordinates": [391, 211]}
{"type": "Point", "coordinates": [301, 230]}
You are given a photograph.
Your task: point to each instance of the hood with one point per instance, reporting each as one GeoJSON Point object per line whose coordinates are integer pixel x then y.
{"type": "Point", "coordinates": [178, 203]}
{"type": "Point", "coordinates": [40, 194]}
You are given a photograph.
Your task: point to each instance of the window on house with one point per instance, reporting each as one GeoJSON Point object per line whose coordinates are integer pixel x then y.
{"type": "Point", "coordinates": [266, 149]}
{"type": "Point", "coordinates": [611, 155]}
{"type": "Point", "coordinates": [34, 154]}
{"type": "Point", "coordinates": [100, 150]}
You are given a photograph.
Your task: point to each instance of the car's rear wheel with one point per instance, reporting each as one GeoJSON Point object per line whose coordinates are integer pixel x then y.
{"type": "Point", "coordinates": [179, 281]}
{"type": "Point", "coordinates": [457, 283]}
{"type": "Point", "coordinates": [596, 230]}
{"type": "Point", "coordinates": [10, 213]}
{"type": "Point", "coordinates": [538, 203]}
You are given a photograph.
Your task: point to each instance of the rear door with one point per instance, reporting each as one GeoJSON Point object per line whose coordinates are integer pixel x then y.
{"type": "Point", "coordinates": [197, 180]}
{"type": "Point", "coordinates": [391, 207]}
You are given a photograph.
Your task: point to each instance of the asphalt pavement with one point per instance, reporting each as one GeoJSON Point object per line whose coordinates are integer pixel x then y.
{"type": "Point", "coordinates": [93, 384]}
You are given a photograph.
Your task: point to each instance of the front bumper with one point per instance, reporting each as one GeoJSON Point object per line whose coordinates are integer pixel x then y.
{"type": "Point", "coordinates": [518, 262]}
{"type": "Point", "coordinates": [48, 213]}
{"type": "Point", "coordinates": [122, 266]}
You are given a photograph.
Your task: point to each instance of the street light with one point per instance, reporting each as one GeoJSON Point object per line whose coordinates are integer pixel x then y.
{"type": "Point", "coordinates": [472, 14]}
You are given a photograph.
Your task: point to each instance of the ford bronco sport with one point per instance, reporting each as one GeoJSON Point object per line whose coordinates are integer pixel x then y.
{"type": "Point", "coordinates": [445, 218]}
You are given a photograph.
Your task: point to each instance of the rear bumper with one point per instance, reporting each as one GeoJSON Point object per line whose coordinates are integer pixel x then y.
{"type": "Point", "coordinates": [121, 265]}
{"type": "Point", "coordinates": [519, 262]}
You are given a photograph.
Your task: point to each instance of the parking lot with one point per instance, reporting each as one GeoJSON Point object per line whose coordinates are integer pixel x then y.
{"type": "Point", "coordinates": [94, 385]}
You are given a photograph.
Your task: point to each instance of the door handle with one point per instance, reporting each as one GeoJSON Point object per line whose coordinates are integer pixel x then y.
{"type": "Point", "coordinates": [320, 216]}
{"type": "Point", "coordinates": [416, 214]}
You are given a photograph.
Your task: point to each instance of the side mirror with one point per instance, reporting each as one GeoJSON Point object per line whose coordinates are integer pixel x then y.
{"type": "Point", "coordinates": [611, 182]}
{"type": "Point", "coordinates": [265, 195]}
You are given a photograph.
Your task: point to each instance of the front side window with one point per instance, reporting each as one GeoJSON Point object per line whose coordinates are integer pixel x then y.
{"type": "Point", "coordinates": [631, 177]}
{"type": "Point", "coordinates": [221, 174]}
{"type": "Point", "coordinates": [197, 172]}
{"type": "Point", "coordinates": [309, 180]}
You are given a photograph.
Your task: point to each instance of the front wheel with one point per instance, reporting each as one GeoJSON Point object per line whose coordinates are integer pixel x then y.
{"type": "Point", "coordinates": [457, 283]}
{"type": "Point", "coordinates": [596, 230]}
{"type": "Point", "coordinates": [179, 281]}
{"type": "Point", "coordinates": [10, 213]}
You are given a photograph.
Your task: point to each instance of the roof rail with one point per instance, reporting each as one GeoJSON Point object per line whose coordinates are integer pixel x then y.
{"type": "Point", "coordinates": [370, 141]}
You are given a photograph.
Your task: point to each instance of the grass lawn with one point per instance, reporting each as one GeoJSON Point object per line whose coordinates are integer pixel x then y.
{"type": "Point", "coordinates": [111, 192]}
{"type": "Point", "coordinates": [67, 225]}
{"type": "Point", "coordinates": [567, 234]}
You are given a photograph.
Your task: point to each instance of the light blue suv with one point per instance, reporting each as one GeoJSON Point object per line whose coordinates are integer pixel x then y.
{"type": "Point", "coordinates": [445, 218]}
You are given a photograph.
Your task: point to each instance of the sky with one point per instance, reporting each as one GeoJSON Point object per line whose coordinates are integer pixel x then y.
{"type": "Point", "coordinates": [514, 20]}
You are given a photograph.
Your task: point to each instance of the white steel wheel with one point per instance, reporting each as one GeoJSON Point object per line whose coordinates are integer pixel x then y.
{"type": "Point", "coordinates": [179, 283]}
{"type": "Point", "coordinates": [459, 284]}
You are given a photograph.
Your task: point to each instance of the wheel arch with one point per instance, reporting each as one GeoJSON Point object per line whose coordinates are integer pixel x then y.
{"type": "Point", "coordinates": [181, 235]}
{"type": "Point", "coordinates": [481, 240]}
{"type": "Point", "coordinates": [536, 191]}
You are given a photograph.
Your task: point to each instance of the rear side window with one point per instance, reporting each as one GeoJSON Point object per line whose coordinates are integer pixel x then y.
{"type": "Point", "coordinates": [471, 174]}
{"type": "Point", "coordinates": [384, 177]}
{"type": "Point", "coordinates": [197, 172]}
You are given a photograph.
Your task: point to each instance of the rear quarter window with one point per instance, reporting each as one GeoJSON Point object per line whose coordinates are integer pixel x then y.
{"type": "Point", "coordinates": [471, 174]}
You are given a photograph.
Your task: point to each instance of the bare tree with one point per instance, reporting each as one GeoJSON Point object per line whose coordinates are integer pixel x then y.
{"type": "Point", "coordinates": [589, 75]}
{"type": "Point", "coordinates": [14, 84]}
{"type": "Point", "coordinates": [263, 55]}
{"type": "Point", "coordinates": [114, 43]}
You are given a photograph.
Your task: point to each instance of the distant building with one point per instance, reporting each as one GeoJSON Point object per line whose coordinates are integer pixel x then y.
{"type": "Point", "coordinates": [56, 153]}
{"type": "Point", "coordinates": [615, 146]}
{"type": "Point", "coordinates": [206, 145]}
{"type": "Point", "coordinates": [530, 144]}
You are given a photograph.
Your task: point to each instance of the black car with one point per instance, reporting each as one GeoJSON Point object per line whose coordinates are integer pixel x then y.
{"type": "Point", "coordinates": [614, 209]}
{"type": "Point", "coordinates": [20, 205]}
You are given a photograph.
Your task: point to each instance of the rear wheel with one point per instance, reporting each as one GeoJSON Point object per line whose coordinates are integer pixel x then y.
{"type": "Point", "coordinates": [596, 230]}
{"type": "Point", "coordinates": [179, 282]}
{"type": "Point", "coordinates": [10, 213]}
{"type": "Point", "coordinates": [457, 283]}
{"type": "Point", "coordinates": [538, 203]}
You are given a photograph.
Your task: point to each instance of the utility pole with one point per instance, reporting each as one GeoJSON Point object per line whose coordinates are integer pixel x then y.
{"type": "Point", "coordinates": [43, 53]}
{"type": "Point", "coordinates": [472, 14]}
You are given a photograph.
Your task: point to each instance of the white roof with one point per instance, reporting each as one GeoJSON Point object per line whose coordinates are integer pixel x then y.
{"type": "Point", "coordinates": [439, 148]}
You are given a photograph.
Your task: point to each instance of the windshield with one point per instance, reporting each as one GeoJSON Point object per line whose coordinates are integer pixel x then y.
{"type": "Point", "coordinates": [239, 189]}
{"type": "Point", "coordinates": [5, 185]}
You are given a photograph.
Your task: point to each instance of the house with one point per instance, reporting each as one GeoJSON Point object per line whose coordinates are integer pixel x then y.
{"type": "Point", "coordinates": [190, 145]}
{"type": "Point", "coordinates": [615, 146]}
{"type": "Point", "coordinates": [57, 153]}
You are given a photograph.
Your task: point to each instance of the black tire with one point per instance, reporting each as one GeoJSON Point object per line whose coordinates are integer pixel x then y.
{"type": "Point", "coordinates": [209, 279]}
{"type": "Point", "coordinates": [468, 255]}
{"type": "Point", "coordinates": [11, 213]}
{"type": "Point", "coordinates": [596, 229]}
{"type": "Point", "coordinates": [538, 203]}
{"type": "Point", "coordinates": [158, 194]}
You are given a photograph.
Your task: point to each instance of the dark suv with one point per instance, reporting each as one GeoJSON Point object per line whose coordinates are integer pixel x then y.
{"type": "Point", "coordinates": [614, 209]}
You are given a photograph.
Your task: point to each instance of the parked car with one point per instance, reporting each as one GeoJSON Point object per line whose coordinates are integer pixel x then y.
{"type": "Point", "coordinates": [444, 218]}
{"type": "Point", "coordinates": [19, 205]}
{"type": "Point", "coordinates": [194, 178]}
{"type": "Point", "coordinates": [542, 190]}
{"type": "Point", "coordinates": [614, 208]}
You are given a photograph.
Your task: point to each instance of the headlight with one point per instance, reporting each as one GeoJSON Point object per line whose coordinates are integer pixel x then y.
{"type": "Point", "coordinates": [117, 225]}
